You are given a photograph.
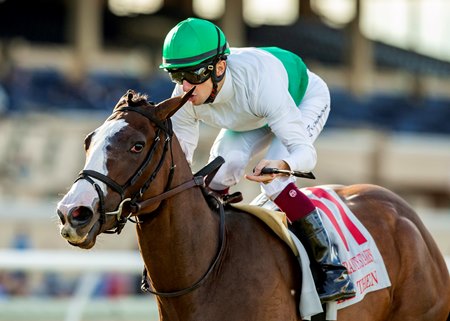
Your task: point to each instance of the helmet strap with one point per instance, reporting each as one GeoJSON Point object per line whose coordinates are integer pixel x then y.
{"type": "Point", "coordinates": [215, 80]}
{"type": "Point", "coordinates": [213, 94]}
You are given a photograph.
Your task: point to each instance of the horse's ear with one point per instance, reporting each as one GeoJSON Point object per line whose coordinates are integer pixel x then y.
{"type": "Point", "coordinates": [168, 107]}
{"type": "Point", "coordinates": [126, 98]}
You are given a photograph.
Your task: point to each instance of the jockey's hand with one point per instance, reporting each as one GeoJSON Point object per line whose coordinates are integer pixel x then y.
{"type": "Point", "coordinates": [256, 176]}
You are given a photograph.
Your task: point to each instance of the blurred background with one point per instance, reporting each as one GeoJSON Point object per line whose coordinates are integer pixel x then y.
{"type": "Point", "coordinates": [65, 63]}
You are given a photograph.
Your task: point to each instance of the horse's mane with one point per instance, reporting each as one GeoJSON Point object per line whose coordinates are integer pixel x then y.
{"type": "Point", "coordinates": [133, 99]}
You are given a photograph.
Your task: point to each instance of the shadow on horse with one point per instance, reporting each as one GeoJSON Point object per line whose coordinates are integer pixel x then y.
{"type": "Point", "coordinates": [206, 262]}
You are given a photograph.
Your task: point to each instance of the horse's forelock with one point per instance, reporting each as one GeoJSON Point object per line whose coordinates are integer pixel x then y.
{"type": "Point", "coordinates": [133, 99]}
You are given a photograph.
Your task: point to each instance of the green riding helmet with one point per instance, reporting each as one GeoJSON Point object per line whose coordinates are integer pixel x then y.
{"type": "Point", "coordinates": [191, 42]}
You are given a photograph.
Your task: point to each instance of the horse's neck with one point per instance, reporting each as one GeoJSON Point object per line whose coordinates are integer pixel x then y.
{"type": "Point", "coordinates": [178, 244]}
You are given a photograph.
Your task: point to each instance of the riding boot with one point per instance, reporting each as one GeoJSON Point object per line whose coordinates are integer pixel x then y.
{"type": "Point", "coordinates": [332, 281]}
{"type": "Point", "coordinates": [335, 282]}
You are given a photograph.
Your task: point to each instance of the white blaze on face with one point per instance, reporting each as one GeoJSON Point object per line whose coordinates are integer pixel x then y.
{"type": "Point", "coordinates": [96, 158]}
{"type": "Point", "coordinates": [82, 193]}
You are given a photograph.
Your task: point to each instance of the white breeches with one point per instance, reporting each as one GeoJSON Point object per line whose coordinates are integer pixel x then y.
{"type": "Point", "coordinates": [238, 148]}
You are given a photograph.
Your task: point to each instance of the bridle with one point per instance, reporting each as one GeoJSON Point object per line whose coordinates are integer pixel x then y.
{"type": "Point", "coordinates": [135, 205]}
{"type": "Point", "coordinates": [164, 129]}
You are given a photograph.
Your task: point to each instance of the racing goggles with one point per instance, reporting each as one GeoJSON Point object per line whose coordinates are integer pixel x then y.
{"type": "Point", "coordinates": [192, 76]}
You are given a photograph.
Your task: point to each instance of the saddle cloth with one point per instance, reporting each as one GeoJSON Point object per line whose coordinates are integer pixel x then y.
{"type": "Point", "coordinates": [356, 248]}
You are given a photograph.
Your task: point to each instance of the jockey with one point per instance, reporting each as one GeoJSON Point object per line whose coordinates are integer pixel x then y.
{"type": "Point", "coordinates": [259, 97]}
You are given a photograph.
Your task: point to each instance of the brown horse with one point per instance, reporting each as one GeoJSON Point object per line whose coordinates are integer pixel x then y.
{"type": "Point", "coordinates": [206, 263]}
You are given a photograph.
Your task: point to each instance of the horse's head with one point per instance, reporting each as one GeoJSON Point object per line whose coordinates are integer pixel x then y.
{"type": "Point", "coordinates": [123, 158]}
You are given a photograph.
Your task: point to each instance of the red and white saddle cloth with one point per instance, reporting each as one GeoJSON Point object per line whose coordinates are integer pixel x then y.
{"type": "Point", "coordinates": [356, 247]}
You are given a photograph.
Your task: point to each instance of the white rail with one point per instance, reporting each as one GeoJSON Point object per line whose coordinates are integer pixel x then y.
{"type": "Point", "coordinates": [68, 261]}
{"type": "Point", "coordinates": [91, 263]}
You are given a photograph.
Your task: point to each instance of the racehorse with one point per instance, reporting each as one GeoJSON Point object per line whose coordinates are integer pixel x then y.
{"type": "Point", "coordinates": [208, 262]}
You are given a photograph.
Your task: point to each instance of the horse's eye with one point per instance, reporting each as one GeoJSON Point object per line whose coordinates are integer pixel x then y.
{"type": "Point", "coordinates": [138, 147]}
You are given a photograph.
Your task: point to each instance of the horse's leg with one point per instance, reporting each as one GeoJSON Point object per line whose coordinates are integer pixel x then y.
{"type": "Point", "coordinates": [269, 268]}
{"type": "Point", "coordinates": [420, 288]}
{"type": "Point", "coordinates": [421, 292]}
{"type": "Point", "coordinates": [374, 307]}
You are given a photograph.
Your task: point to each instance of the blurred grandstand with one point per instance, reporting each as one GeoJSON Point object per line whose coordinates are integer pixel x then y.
{"type": "Point", "coordinates": [62, 72]}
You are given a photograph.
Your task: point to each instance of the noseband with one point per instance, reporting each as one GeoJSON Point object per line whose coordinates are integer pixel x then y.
{"type": "Point", "coordinates": [89, 175]}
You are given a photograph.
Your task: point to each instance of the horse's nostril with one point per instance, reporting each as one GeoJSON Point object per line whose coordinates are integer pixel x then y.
{"type": "Point", "coordinates": [80, 215]}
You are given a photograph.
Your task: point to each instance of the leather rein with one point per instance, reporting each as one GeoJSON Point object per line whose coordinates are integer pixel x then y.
{"type": "Point", "coordinates": [202, 178]}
